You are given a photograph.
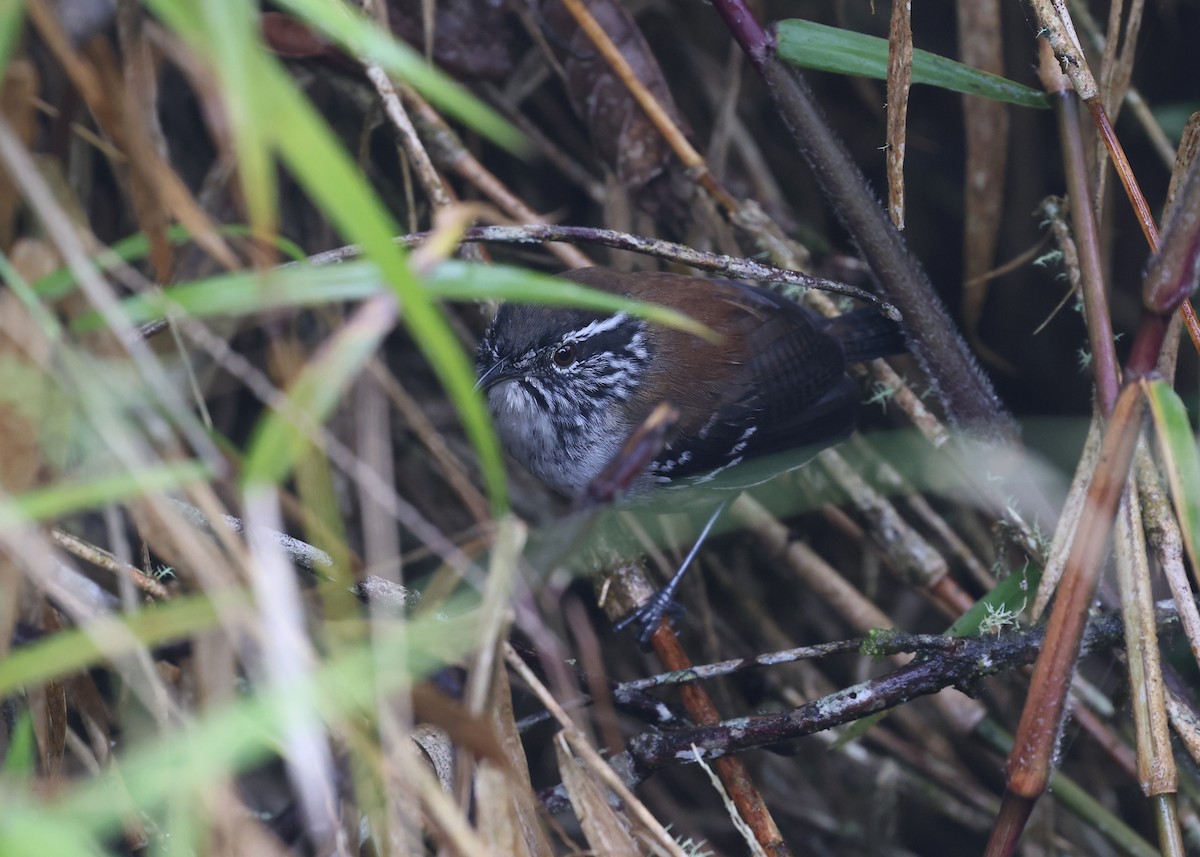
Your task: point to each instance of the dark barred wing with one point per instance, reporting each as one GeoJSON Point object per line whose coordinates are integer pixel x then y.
{"type": "Point", "coordinates": [791, 395]}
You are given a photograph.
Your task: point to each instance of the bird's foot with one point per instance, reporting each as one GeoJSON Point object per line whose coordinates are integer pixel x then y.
{"type": "Point", "coordinates": [650, 615]}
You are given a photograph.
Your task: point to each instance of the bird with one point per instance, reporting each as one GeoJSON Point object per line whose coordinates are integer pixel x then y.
{"type": "Point", "coordinates": [566, 387]}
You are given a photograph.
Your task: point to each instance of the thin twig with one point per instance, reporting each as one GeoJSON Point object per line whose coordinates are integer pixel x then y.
{"type": "Point", "coordinates": [106, 560]}
{"type": "Point", "coordinates": [537, 233]}
{"type": "Point", "coordinates": [427, 174]}
{"type": "Point", "coordinates": [721, 668]}
{"type": "Point", "coordinates": [946, 662]}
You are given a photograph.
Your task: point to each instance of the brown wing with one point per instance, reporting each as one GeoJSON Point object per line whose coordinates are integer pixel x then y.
{"type": "Point", "coordinates": [776, 382]}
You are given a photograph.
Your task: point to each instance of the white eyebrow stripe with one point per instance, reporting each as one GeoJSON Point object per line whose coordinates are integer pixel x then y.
{"type": "Point", "coordinates": [598, 326]}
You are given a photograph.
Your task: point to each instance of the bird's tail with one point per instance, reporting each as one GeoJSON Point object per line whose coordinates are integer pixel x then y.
{"type": "Point", "coordinates": [866, 334]}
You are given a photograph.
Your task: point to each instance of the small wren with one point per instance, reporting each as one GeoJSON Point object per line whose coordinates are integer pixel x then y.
{"type": "Point", "coordinates": [566, 387]}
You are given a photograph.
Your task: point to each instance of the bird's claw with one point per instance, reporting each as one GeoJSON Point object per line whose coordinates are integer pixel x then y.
{"type": "Point", "coordinates": [649, 616]}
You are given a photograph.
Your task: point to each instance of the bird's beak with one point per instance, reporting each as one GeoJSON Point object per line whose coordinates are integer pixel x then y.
{"type": "Point", "coordinates": [499, 371]}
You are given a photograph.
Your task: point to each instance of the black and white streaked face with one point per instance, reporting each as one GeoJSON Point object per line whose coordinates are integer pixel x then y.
{"type": "Point", "coordinates": [556, 382]}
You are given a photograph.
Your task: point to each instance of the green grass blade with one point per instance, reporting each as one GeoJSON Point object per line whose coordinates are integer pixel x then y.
{"type": "Point", "coordinates": [1177, 443]}
{"type": "Point", "coordinates": [27, 829]}
{"type": "Point", "coordinates": [331, 178]}
{"type": "Point", "coordinates": [225, 33]}
{"type": "Point", "coordinates": [286, 122]}
{"type": "Point", "coordinates": [245, 293]}
{"type": "Point", "coordinates": [235, 51]}
{"type": "Point", "coordinates": [137, 247]}
{"type": "Point", "coordinates": [20, 762]}
{"type": "Point", "coordinates": [1000, 607]}
{"type": "Point", "coordinates": [824, 48]}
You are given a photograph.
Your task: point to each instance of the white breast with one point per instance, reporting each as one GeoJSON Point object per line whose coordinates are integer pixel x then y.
{"type": "Point", "coordinates": [567, 462]}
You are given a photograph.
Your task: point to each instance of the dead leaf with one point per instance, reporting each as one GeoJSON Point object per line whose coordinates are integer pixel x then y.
{"type": "Point", "coordinates": [509, 793]}
{"type": "Point", "coordinates": [621, 132]}
{"type": "Point", "coordinates": [48, 705]}
{"type": "Point", "coordinates": [462, 728]}
{"type": "Point", "coordinates": [605, 830]}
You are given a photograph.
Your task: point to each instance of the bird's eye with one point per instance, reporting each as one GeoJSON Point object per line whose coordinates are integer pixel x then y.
{"type": "Point", "coordinates": [565, 355]}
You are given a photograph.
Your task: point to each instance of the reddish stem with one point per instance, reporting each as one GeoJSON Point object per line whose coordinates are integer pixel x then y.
{"type": "Point", "coordinates": [1106, 368]}
{"type": "Point", "coordinates": [1032, 758]}
{"type": "Point", "coordinates": [1136, 198]}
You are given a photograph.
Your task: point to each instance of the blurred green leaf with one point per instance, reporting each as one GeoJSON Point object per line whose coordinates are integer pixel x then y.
{"type": "Point", "coordinates": [47, 409]}
{"type": "Point", "coordinates": [70, 651]}
{"type": "Point", "coordinates": [236, 54]}
{"type": "Point", "coordinates": [20, 762]}
{"type": "Point", "coordinates": [225, 33]}
{"type": "Point", "coordinates": [819, 46]}
{"type": "Point", "coordinates": [361, 38]}
{"type": "Point", "coordinates": [284, 434]}
{"type": "Point", "coordinates": [65, 498]}
{"type": "Point", "coordinates": [26, 828]}
{"type": "Point", "coordinates": [136, 247]}
{"type": "Point", "coordinates": [231, 739]}
{"type": "Point", "coordinates": [12, 16]}
{"type": "Point", "coordinates": [25, 293]}
{"type": "Point", "coordinates": [1174, 117]}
